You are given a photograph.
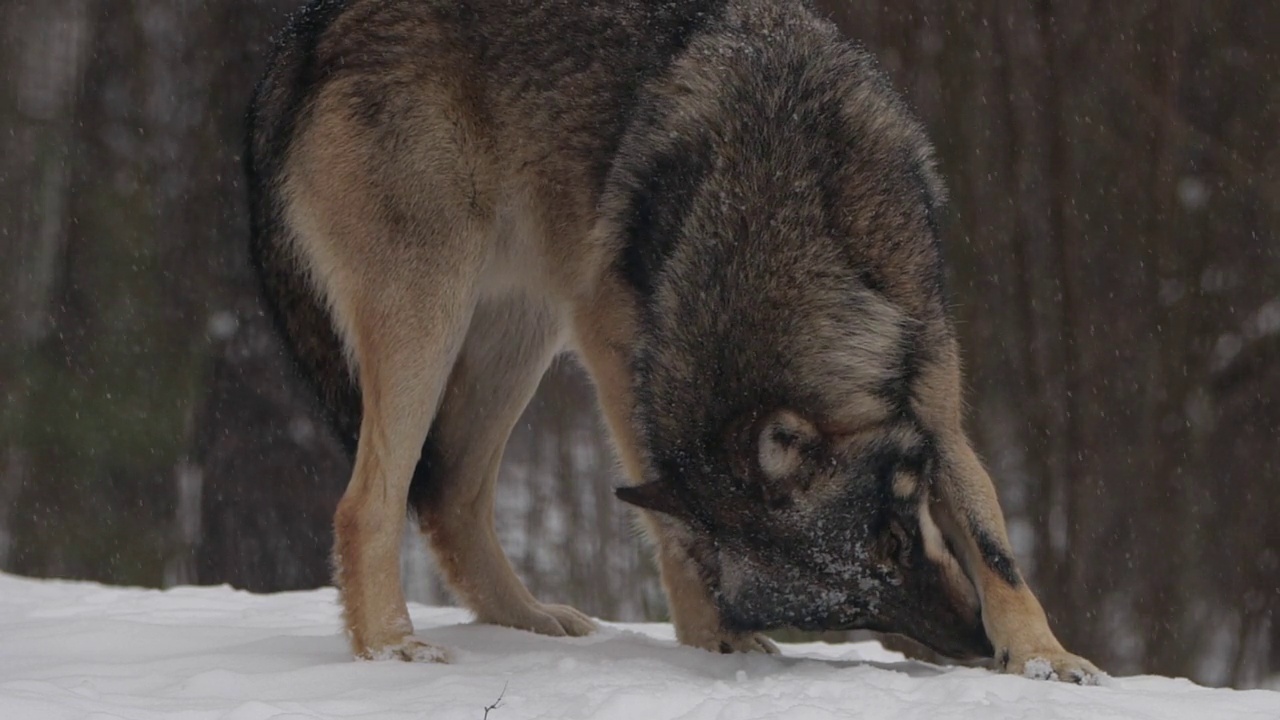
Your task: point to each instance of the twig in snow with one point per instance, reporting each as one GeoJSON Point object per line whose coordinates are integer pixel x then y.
{"type": "Point", "coordinates": [496, 703]}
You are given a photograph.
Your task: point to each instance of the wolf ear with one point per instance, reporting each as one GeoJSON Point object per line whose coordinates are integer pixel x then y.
{"type": "Point", "coordinates": [785, 443]}
{"type": "Point", "coordinates": [650, 496]}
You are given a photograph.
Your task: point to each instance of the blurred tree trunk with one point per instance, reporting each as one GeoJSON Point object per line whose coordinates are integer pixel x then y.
{"type": "Point", "coordinates": [90, 508]}
{"type": "Point", "coordinates": [43, 51]}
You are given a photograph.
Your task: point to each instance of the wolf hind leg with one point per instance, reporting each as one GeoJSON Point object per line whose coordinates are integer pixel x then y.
{"type": "Point", "coordinates": [394, 227]}
{"type": "Point", "coordinates": [400, 296]}
{"type": "Point", "coordinates": [509, 346]}
{"type": "Point", "coordinates": [404, 359]}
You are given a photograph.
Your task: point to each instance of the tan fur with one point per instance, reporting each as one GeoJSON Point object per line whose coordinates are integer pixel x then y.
{"type": "Point", "coordinates": [457, 214]}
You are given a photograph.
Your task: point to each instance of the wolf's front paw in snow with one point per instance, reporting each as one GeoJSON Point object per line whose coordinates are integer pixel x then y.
{"type": "Point", "coordinates": [573, 622]}
{"type": "Point", "coordinates": [746, 642]}
{"type": "Point", "coordinates": [410, 649]}
{"type": "Point", "coordinates": [1051, 665]}
{"type": "Point", "coordinates": [553, 620]}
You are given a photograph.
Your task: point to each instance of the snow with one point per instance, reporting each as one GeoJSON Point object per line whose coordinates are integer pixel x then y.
{"type": "Point", "coordinates": [80, 650]}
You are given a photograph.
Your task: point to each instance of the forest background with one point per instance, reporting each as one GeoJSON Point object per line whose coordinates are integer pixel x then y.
{"type": "Point", "coordinates": [1113, 252]}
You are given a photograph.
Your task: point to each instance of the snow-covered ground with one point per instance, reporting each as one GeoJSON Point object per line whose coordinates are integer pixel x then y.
{"type": "Point", "coordinates": [78, 650]}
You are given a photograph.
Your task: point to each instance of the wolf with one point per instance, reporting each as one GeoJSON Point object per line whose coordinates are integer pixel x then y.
{"type": "Point", "coordinates": [724, 210]}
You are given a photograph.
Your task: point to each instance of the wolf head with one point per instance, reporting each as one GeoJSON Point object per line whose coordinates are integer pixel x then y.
{"type": "Point", "coordinates": [797, 383]}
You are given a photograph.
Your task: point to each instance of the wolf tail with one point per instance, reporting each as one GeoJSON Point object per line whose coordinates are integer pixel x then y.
{"type": "Point", "coordinates": [279, 105]}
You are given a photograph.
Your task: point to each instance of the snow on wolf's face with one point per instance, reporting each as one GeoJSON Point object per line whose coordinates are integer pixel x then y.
{"type": "Point", "coordinates": [828, 532]}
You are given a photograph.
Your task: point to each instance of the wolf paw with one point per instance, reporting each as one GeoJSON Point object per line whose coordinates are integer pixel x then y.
{"type": "Point", "coordinates": [745, 643]}
{"type": "Point", "coordinates": [751, 642]}
{"type": "Point", "coordinates": [410, 649]}
{"type": "Point", "coordinates": [1051, 665]}
{"type": "Point", "coordinates": [572, 622]}
{"type": "Point", "coordinates": [553, 620]}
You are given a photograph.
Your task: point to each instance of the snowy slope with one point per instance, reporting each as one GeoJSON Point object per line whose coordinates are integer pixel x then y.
{"type": "Point", "coordinates": [77, 650]}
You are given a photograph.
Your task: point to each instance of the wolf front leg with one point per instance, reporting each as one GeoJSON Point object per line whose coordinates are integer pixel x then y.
{"type": "Point", "coordinates": [693, 612]}
{"type": "Point", "coordinates": [1013, 618]}
{"type": "Point", "coordinates": [604, 332]}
